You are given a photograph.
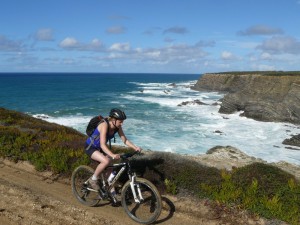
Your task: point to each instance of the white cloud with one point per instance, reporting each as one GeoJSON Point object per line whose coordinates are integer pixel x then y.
{"type": "Point", "coordinates": [266, 56]}
{"type": "Point", "coordinates": [280, 45]}
{"type": "Point", "coordinates": [72, 44]}
{"type": "Point", "coordinates": [153, 54]}
{"type": "Point", "coordinates": [139, 50]}
{"type": "Point", "coordinates": [44, 35]}
{"type": "Point", "coordinates": [165, 58]}
{"type": "Point", "coordinates": [225, 55]}
{"type": "Point", "coordinates": [69, 42]}
{"type": "Point", "coordinates": [179, 53]}
{"type": "Point", "coordinates": [95, 45]}
{"type": "Point", "coordinates": [260, 30]}
{"type": "Point", "coordinates": [120, 47]}
{"type": "Point", "coordinates": [114, 55]}
{"type": "Point", "coordinates": [116, 30]}
{"type": "Point", "coordinates": [96, 42]}
{"type": "Point", "coordinates": [252, 58]}
{"type": "Point", "coordinates": [9, 45]}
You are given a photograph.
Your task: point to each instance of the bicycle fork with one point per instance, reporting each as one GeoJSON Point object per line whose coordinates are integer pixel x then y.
{"type": "Point", "coordinates": [137, 194]}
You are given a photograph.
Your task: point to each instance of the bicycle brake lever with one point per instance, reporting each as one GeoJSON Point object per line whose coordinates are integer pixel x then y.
{"type": "Point", "coordinates": [125, 156]}
{"type": "Point", "coordinates": [128, 155]}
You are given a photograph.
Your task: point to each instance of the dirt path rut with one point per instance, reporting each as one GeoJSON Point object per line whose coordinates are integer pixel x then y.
{"type": "Point", "coordinates": [28, 197]}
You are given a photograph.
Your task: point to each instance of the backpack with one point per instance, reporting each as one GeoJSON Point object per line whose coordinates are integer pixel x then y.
{"type": "Point", "coordinates": [93, 124]}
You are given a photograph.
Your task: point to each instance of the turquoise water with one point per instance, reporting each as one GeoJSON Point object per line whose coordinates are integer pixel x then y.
{"type": "Point", "coordinates": [155, 121]}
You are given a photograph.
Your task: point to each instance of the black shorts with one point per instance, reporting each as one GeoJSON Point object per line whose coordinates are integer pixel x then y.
{"type": "Point", "coordinates": [92, 149]}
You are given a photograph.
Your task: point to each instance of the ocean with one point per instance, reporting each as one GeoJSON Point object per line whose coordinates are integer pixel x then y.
{"type": "Point", "coordinates": [156, 121]}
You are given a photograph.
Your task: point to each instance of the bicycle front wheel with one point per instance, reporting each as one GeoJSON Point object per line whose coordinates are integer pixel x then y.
{"type": "Point", "coordinates": [147, 207]}
{"type": "Point", "coordinates": [81, 188]}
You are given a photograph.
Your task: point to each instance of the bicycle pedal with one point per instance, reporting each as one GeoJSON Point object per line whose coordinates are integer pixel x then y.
{"type": "Point", "coordinates": [114, 201]}
{"type": "Point", "coordinates": [116, 204]}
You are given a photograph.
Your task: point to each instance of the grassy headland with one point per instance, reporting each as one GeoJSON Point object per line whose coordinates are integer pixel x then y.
{"type": "Point", "coordinates": [263, 73]}
{"type": "Point", "coordinates": [262, 189]}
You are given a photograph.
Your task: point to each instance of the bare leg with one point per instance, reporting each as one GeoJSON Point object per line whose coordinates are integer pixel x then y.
{"type": "Point", "coordinates": [103, 162]}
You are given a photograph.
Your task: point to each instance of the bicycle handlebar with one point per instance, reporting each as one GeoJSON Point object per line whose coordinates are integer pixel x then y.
{"type": "Point", "coordinates": [128, 155]}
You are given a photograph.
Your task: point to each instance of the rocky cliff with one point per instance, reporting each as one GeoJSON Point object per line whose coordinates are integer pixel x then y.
{"type": "Point", "coordinates": [262, 96]}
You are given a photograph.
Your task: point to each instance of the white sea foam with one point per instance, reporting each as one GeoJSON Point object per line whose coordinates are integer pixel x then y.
{"type": "Point", "coordinates": [77, 122]}
{"type": "Point", "coordinates": [206, 128]}
{"type": "Point", "coordinates": [193, 129]}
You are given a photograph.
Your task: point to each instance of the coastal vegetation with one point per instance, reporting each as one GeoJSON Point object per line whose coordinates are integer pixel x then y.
{"type": "Point", "coordinates": [47, 146]}
{"type": "Point", "coordinates": [262, 189]}
{"type": "Point", "coordinates": [264, 73]}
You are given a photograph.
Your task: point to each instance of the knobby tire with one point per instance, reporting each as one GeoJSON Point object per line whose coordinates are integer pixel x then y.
{"type": "Point", "coordinates": [80, 189]}
{"type": "Point", "coordinates": [147, 211]}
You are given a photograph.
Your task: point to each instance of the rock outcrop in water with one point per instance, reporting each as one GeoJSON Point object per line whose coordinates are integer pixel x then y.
{"type": "Point", "coordinates": [264, 96]}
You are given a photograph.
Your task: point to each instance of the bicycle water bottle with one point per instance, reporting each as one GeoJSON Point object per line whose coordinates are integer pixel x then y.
{"type": "Point", "coordinates": [110, 179]}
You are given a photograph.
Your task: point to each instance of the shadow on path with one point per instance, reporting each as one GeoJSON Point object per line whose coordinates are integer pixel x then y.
{"type": "Point", "coordinates": [167, 211]}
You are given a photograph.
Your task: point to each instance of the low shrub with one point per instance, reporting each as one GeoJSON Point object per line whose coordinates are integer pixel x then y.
{"type": "Point", "coordinates": [263, 189]}
{"type": "Point", "coordinates": [47, 146]}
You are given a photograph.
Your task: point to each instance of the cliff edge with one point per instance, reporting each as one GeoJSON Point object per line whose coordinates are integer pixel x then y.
{"type": "Point", "coordinates": [263, 96]}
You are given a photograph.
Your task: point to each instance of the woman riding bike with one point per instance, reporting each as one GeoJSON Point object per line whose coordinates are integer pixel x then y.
{"type": "Point", "coordinates": [96, 145]}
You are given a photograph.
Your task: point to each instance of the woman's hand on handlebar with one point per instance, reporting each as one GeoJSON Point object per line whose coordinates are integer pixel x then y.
{"type": "Point", "coordinates": [138, 149]}
{"type": "Point", "coordinates": [115, 156]}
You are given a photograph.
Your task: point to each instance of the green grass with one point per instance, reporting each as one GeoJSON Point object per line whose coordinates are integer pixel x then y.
{"type": "Point", "coordinates": [265, 73]}
{"type": "Point", "coordinates": [47, 146]}
{"type": "Point", "coordinates": [260, 188]}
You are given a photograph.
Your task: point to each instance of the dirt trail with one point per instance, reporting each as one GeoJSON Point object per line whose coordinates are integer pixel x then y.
{"type": "Point", "coordinates": [28, 197]}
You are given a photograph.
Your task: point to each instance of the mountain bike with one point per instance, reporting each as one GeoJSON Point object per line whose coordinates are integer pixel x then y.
{"type": "Point", "coordinates": [139, 197]}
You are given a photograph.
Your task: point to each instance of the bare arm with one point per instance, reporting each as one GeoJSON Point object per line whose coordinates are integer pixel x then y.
{"type": "Point", "coordinates": [126, 141]}
{"type": "Point", "coordinates": [103, 134]}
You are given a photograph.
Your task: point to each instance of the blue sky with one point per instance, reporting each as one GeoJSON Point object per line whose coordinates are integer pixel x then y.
{"type": "Point", "coordinates": [157, 36]}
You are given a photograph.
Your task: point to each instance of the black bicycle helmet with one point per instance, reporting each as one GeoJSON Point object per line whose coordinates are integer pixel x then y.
{"type": "Point", "coordinates": [117, 114]}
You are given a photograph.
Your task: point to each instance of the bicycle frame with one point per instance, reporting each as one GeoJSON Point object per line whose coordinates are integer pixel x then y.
{"type": "Point", "coordinates": [137, 194]}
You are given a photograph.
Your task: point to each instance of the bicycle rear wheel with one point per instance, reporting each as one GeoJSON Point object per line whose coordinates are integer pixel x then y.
{"type": "Point", "coordinates": [149, 208]}
{"type": "Point", "coordinates": [80, 187]}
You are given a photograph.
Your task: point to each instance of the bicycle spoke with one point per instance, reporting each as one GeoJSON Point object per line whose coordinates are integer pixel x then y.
{"type": "Point", "coordinates": [80, 187]}
{"type": "Point", "coordinates": [147, 209]}
{"type": "Point", "coordinates": [140, 199]}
